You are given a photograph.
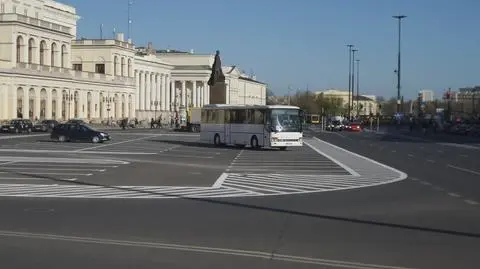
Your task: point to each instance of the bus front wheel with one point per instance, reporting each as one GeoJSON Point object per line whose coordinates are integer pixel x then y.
{"type": "Point", "coordinates": [216, 140]}
{"type": "Point", "coordinates": [254, 142]}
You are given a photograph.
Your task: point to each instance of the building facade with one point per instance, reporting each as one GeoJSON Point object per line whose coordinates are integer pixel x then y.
{"type": "Point", "coordinates": [427, 95]}
{"type": "Point", "coordinates": [365, 105]}
{"type": "Point", "coordinates": [46, 73]}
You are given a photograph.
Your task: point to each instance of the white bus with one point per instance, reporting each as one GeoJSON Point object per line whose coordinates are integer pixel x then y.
{"type": "Point", "coordinates": [257, 126]}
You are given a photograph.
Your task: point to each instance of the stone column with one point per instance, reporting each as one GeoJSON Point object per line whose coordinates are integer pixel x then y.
{"type": "Point", "coordinates": [137, 89]}
{"type": "Point", "coordinates": [168, 94]}
{"type": "Point", "coordinates": [26, 104]}
{"type": "Point", "coordinates": [13, 101]}
{"type": "Point", "coordinates": [58, 104]}
{"type": "Point", "coordinates": [146, 101]}
{"type": "Point", "coordinates": [194, 93]}
{"type": "Point", "coordinates": [184, 93]}
{"type": "Point", "coordinates": [141, 92]}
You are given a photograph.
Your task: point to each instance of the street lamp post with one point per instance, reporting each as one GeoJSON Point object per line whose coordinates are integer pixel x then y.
{"type": "Point", "coordinates": [398, 71]}
{"type": "Point", "coordinates": [358, 87]}
{"type": "Point", "coordinates": [353, 77]}
{"type": "Point", "coordinates": [108, 100]}
{"type": "Point", "coordinates": [349, 76]}
{"type": "Point", "coordinates": [67, 97]}
{"type": "Point", "coordinates": [155, 103]}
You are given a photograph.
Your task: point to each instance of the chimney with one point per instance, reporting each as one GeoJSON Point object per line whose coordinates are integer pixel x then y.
{"type": "Point", "coordinates": [120, 37]}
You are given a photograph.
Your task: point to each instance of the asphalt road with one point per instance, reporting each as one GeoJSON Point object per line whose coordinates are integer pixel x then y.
{"type": "Point", "coordinates": [412, 223]}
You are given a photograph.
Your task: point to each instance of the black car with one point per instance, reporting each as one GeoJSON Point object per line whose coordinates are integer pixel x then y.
{"type": "Point", "coordinates": [78, 132]}
{"type": "Point", "coordinates": [50, 123]}
{"type": "Point", "coordinates": [40, 127]}
{"type": "Point", "coordinates": [18, 126]}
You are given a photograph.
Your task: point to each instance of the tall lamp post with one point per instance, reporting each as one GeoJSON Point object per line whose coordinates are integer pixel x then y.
{"type": "Point", "coordinates": [398, 71]}
{"type": "Point", "coordinates": [108, 100]}
{"type": "Point", "coordinates": [68, 98]}
{"type": "Point", "coordinates": [358, 87]}
{"type": "Point", "coordinates": [353, 77]}
{"type": "Point", "coordinates": [349, 76]}
{"type": "Point", "coordinates": [155, 104]}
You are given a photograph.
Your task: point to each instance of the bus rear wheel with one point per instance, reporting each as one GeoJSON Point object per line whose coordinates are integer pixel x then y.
{"type": "Point", "coordinates": [254, 142]}
{"type": "Point", "coordinates": [216, 140]}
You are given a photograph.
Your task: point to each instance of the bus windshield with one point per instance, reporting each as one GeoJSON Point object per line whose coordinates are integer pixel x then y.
{"type": "Point", "coordinates": [285, 120]}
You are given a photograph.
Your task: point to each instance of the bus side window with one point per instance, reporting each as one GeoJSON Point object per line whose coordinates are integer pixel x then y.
{"type": "Point", "coordinates": [241, 116]}
{"type": "Point", "coordinates": [204, 116]}
{"type": "Point", "coordinates": [259, 117]}
{"type": "Point", "coordinates": [220, 116]}
{"type": "Point", "coordinates": [227, 116]}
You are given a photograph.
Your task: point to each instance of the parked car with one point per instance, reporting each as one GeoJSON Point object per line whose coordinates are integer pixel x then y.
{"type": "Point", "coordinates": [50, 123]}
{"type": "Point", "coordinates": [18, 126]}
{"type": "Point", "coordinates": [39, 127]}
{"type": "Point", "coordinates": [78, 133]}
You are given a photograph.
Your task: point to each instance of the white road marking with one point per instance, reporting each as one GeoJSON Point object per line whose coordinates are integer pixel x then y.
{"type": "Point", "coordinates": [410, 155]}
{"type": "Point", "coordinates": [454, 194]}
{"type": "Point", "coordinates": [464, 169]}
{"type": "Point", "coordinates": [113, 144]}
{"type": "Point", "coordinates": [77, 152]}
{"type": "Point", "coordinates": [425, 183]}
{"type": "Point", "coordinates": [51, 169]}
{"type": "Point", "coordinates": [220, 180]}
{"type": "Point", "coordinates": [23, 178]}
{"type": "Point", "coordinates": [348, 169]}
{"type": "Point", "coordinates": [21, 136]}
{"type": "Point", "coordinates": [195, 249]}
{"type": "Point", "coordinates": [60, 160]}
{"type": "Point", "coordinates": [430, 161]}
{"type": "Point", "coordinates": [58, 174]}
{"type": "Point", "coordinates": [463, 155]}
{"type": "Point", "coordinates": [459, 145]}
{"type": "Point", "coordinates": [470, 202]}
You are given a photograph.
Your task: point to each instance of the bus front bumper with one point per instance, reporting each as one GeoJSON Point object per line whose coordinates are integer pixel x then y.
{"type": "Point", "coordinates": [275, 144]}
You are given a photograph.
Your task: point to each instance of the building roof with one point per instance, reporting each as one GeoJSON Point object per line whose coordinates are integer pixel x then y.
{"type": "Point", "coordinates": [192, 67]}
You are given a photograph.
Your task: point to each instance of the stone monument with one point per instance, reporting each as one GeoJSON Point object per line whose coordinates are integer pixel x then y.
{"type": "Point", "coordinates": [218, 88]}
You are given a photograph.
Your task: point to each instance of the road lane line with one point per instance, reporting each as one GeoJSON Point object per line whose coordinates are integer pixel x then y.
{"type": "Point", "coordinates": [77, 152]}
{"type": "Point", "coordinates": [471, 202]}
{"type": "Point", "coordinates": [410, 155]}
{"type": "Point", "coordinates": [113, 144]}
{"type": "Point", "coordinates": [464, 169]}
{"type": "Point", "coordinates": [197, 249]}
{"type": "Point", "coordinates": [454, 194]}
{"type": "Point", "coordinates": [218, 183]}
{"type": "Point", "coordinates": [431, 161]}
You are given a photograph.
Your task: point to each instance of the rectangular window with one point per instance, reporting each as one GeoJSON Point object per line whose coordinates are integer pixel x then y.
{"type": "Point", "coordinates": [100, 68]}
{"type": "Point", "coordinates": [77, 67]}
{"type": "Point", "coordinates": [36, 15]}
{"type": "Point", "coordinates": [2, 8]}
{"type": "Point", "coordinates": [25, 12]}
{"type": "Point", "coordinates": [14, 9]}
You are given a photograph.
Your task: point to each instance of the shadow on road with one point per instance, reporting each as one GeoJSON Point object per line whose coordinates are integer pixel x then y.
{"type": "Point", "coordinates": [205, 145]}
{"type": "Point", "coordinates": [269, 209]}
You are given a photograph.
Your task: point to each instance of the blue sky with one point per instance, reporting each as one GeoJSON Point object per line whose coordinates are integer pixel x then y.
{"type": "Point", "coordinates": [302, 43]}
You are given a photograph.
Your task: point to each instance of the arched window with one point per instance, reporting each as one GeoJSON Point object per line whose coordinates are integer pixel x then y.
{"type": "Point", "coordinates": [43, 48]}
{"type": "Point", "coordinates": [19, 48]}
{"type": "Point", "coordinates": [52, 54]}
{"type": "Point", "coordinates": [31, 44]}
{"type": "Point", "coordinates": [129, 67]}
{"type": "Point", "coordinates": [115, 63]}
{"type": "Point", "coordinates": [64, 51]}
{"type": "Point", "coordinates": [122, 68]}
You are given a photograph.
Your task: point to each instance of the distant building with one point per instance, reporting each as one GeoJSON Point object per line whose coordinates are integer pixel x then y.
{"type": "Point", "coordinates": [427, 95]}
{"type": "Point", "coordinates": [367, 103]}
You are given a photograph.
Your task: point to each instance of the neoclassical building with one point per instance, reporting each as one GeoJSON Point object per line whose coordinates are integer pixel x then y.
{"type": "Point", "coordinates": [46, 73]}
